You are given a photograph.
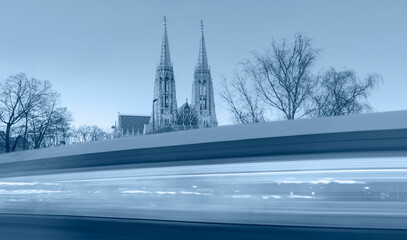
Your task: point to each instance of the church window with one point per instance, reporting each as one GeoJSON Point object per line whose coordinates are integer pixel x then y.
{"type": "Point", "coordinates": [203, 89]}
{"type": "Point", "coordinates": [203, 96]}
{"type": "Point", "coordinates": [166, 101]}
{"type": "Point", "coordinates": [203, 102]}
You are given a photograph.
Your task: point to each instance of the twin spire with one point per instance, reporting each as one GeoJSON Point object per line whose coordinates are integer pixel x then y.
{"type": "Point", "coordinates": [202, 58]}
{"type": "Point", "coordinates": [165, 111]}
{"type": "Point", "coordinates": [165, 59]}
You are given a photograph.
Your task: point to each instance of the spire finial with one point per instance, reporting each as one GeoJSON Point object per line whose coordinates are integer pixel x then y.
{"type": "Point", "coordinates": [202, 26]}
{"type": "Point", "coordinates": [165, 21]}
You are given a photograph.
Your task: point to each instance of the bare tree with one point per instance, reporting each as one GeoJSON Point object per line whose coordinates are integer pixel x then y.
{"type": "Point", "coordinates": [46, 123]}
{"type": "Point", "coordinates": [343, 93]}
{"type": "Point", "coordinates": [19, 95]}
{"type": "Point", "coordinates": [60, 132]}
{"type": "Point", "coordinates": [90, 133]}
{"type": "Point", "coordinates": [282, 79]}
{"type": "Point", "coordinates": [31, 113]}
{"type": "Point", "coordinates": [242, 100]}
{"type": "Point", "coordinates": [283, 75]}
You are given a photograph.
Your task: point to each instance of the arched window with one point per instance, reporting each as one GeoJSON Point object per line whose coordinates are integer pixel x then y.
{"type": "Point", "coordinates": [202, 96]}
{"type": "Point", "coordinates": [203, 89]}
{"type": "Point", "coordinates": [166, 85]}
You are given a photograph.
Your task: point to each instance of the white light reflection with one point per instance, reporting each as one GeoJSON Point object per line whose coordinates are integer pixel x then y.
{"type": "Point", "coordinates": [240, 196]}
{"type": "Point", "coordinates": [271, 196]}
{"type": "Point", "coordinates": [171, 193]}
{"type": "Point", "coordinates": [28, 191]}
{"type": "Point", "coordinates": [300, 196]}
{"type": "Point", "coordinates": [17, 183]}
{"type": "Point", "coordinates": [270, 173]}
{"type": "Point", "coordinates": [321, 181]}
{"type": "Point", "coordinates": [136, 191]}
{"type": "Point", "coordinates": [290, 181]}
{"type": "Point", "coordinates": [295, 172]}
{"type": "Point", "coordinates": [196, 193]}
{"type": "Point", "coordinates": [349, 182]}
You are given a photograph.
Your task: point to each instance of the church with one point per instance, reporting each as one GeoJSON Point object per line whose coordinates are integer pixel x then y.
{"type": "Point", "coordinates": [166, 116]}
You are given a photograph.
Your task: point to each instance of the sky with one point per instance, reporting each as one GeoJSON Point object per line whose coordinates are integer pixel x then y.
{"type": "Point", "coordinates": [101, 55]}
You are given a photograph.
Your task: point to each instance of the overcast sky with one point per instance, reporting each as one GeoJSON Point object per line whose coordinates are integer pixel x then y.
{"type": "Point", "coordinates": [101, 55]}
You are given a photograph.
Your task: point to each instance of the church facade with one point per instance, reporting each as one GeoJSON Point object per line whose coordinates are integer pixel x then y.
{"type": "Point", "coordinates": [200, 113]}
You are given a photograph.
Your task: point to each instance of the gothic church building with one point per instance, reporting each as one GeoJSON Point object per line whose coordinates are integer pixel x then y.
{"type": "Point", "coordinates": [200, 113]}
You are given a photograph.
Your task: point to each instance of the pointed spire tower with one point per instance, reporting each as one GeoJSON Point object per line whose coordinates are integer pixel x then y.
{"type": "Point", "coordinates": [165, 99]}
{"type": "Point", "coordinates": [202, 89]}
{"type": "Point", "coordinates": [165, 59]}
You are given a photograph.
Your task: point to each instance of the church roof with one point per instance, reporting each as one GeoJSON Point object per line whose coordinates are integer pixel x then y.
{"type": "Point", "coordinates": [132, 123]}
{"type": "Point", "coordinates": [186, 116]}
{"type": "Point", "coordinates": [183, 106]}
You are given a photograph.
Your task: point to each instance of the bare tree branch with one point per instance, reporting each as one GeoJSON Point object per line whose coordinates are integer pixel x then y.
{"type": "Point", "coordinates": [343, 93]}
{"type": "Point", "coordinates": [27, 110]}
{"type": "Point", "coordinates": [282, 79]}
{"type": "Point", "coordinates": [242, 100]}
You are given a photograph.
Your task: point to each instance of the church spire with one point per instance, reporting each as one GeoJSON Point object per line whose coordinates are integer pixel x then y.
{"type": "Point", "coordinates": [202, 58]}
{"type": "Point", "coordinates": [202, 89]}
{"type": "Point", "coordinates": [165, 59]}
{"type": "Point", "coordinates": [165, 99]}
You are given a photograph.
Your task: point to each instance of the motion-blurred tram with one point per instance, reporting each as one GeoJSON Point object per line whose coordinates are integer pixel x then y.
{"type": "Point", "coordinates": [328, 178]}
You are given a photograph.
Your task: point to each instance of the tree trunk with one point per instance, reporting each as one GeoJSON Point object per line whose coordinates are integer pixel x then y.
{"type": "Point", "coordinates": [25, 147]}
{"type": "Point", "coordinates": [7, 137]}
{"type": "Point", "coordinates": [15, 143]}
